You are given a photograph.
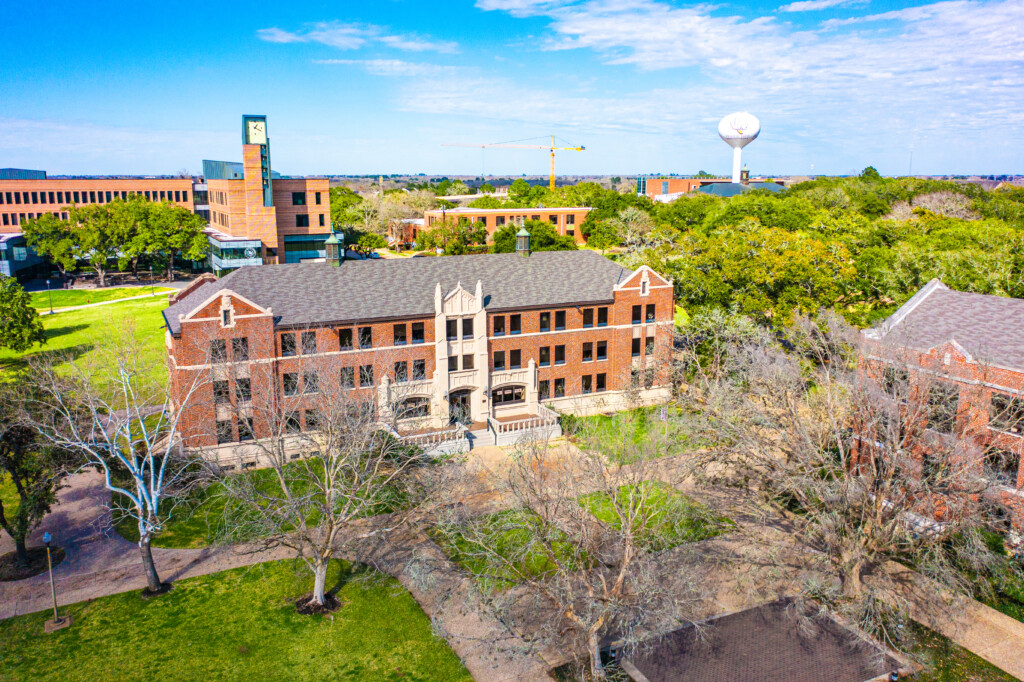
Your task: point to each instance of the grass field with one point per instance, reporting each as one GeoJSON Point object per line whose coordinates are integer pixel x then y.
{"type": "Point", "coordinates": [77, 333]}
{"type": "Point", "coordinates": [949, 662]}
{"type": "Point", "coordinates": [639, 431]}
{"type": "Point", "coordinates": [668, 518]}
{"type": "Point", "coordinates": [237, 625]}
{"type": "Point", "coordinates": [66, 298]}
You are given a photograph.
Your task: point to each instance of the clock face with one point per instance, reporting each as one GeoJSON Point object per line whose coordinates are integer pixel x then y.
{"type": "Point", "coordinates": [257, 132]}
{"type": "Point", "coordinates": [250, 252]}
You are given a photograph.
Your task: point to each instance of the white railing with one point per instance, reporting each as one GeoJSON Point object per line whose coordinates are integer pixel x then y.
{"type": "Point", "coordinates": [432, 439]}
{"type": "Point", "coordinates": [544, 417]}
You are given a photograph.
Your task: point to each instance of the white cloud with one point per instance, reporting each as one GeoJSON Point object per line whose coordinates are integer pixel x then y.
{"type": "Point", "coordinates": [816, 5]}
{"type": "Point", "coordinates": [354, 36]}
{"type": "Point", "coordinates": [392, 67]}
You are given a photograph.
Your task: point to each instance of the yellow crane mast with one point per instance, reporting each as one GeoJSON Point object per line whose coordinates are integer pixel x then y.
{"type": "Point", "coordinates": [505, 145]}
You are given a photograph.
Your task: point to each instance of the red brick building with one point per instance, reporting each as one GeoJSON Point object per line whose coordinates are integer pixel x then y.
{"type": "Point", "coordinates": [494, 341]}
{"type": "Point", "coordinates": [972, 346]}
{"type": "Point", "coordinates": [566, 220]}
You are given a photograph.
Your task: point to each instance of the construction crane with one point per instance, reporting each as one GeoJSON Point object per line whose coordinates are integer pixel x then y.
{"type": "Point", "coordinates": [507, 145]}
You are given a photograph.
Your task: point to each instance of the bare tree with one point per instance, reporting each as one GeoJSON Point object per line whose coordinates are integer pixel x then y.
{"type": "Point", "coordinates": [115, 411]}
{"type": "Point", "coordinates": [871, 453]}
{"type": "Point", "coordinates": [575, 559]}
{"type": "Point", "coordinates": [318, 460]}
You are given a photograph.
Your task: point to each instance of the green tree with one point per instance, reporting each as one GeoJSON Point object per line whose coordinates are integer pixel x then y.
{"type": "Point", "coordinates": [870, 173]}
{"type": "Point", "coordinates": [173, 231]}
{"type": "Point", "coordinates": [486, 188]}
{"type": "Point", "coordinates": [543, 237]}
{"type": "Point", "coordinates": [454, 237]}
{"type": "Point", "coordinates": [35, 469]}
{"type": "Point", "coordinates": [55, 239]}
{"type": "Point", "coordinates": [604, 236]}
{"type": "Point", "coordinates": [344, 207]}
{"type": "Point", "coordinates": [99, 234]}
{"type": "Point", "coordinates": [20, 326]}
{"type": "Point", "coordinates": [519, 190]}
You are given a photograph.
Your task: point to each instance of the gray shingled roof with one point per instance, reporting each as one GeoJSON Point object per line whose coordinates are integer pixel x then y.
{"type": "Point", "coordinates": [308, 293]}
{"type": "Point", "coordinates": [990, 328]}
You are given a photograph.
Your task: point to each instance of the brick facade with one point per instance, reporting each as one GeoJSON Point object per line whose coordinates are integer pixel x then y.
{"type": "Point", "coordinates": [567, 221]}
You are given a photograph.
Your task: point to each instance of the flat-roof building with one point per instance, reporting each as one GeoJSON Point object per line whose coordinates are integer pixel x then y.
{"type": "Point", "coordinates": [566, 220]}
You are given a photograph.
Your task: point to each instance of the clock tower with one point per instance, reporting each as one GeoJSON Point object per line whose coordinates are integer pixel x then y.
{"type": "Point", "coordinates": [254, 132]}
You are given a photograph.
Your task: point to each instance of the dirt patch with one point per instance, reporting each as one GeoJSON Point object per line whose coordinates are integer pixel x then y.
{"type": "Point", "coordinates": [307, 607]}
{"type": "Point", "coordinates": [163, 589]}
{"type": "Point", "coordinates": [10, 569]}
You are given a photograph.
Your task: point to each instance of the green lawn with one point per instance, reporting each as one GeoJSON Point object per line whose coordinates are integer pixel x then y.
{"type": "Point", "coordinates": [514, 535]}
{"type": "Point", "coordinates": [237, 625]}
{"type": "Point", "coordinates": [199, 522]}
{"type": "Point", "coordinates": [65, 298]}
{"type": "Point", "coordinates": [9, 496]}
{"type": "Point", "coordinates": [641, 431]}
{"type": "Point", "coordinates": [77, 332]}
{"type": "Point", "coordinates": [667, 517]}
{"type": "Point", "coordinates": [949, 662]}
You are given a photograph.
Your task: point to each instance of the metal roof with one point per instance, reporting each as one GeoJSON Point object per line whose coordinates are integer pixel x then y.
{"type": "Point", "coordinates": [362, 290]}
{"type": "Point", "coordinates": [731, 189]}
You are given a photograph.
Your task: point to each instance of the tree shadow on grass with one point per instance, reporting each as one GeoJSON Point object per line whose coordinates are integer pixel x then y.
{"type": "Point", "coordinates": [57, 356]}
{"type": "Point", "coordinates": [54, 332]}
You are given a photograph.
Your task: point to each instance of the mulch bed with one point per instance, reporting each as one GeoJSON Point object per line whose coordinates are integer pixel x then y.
{"type": "Point", "coordinates": [11, 570]}
{"type": "Point", "coordinates": [306, 607]}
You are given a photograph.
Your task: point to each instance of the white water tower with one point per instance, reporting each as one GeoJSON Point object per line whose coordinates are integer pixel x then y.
{"type": "Point", "coordinates": [738, 130]}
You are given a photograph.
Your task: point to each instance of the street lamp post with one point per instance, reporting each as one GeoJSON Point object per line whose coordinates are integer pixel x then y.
{"type": "Point", "coordinates": [57, 623]}
{"type": "Point", "coordinates": [49, 295]}
{"type": "Point", "coordinates": [151, 278]}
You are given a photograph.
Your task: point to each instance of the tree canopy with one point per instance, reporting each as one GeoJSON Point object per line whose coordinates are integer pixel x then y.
{"type": "Point", "coordinates": [20, 326]}
{"type": "Point", "coordinates": [543, 237]}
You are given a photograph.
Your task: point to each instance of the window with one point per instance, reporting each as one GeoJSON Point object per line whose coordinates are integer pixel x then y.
{"type": "Point", "coordinates": [218, 350]}
{"type": "Point", "coordinates": [515, 359]}
{"type": "Point", "coordinates": [638, 311]}
{"type": "Point", "coordinates": [401, 371]}
{"type": "Point", "coordinates": [602, 350]}
{"type": "Point", "coordinates": [570, 219]}
{"type": "Point", "coordinates": [943, 401]}
{"type": "Point", "coordinates": [345, 338]}
{"type": "Point", "coordinates": [545, 322]}
{"type": "Point", "coordinates": [588, 352]}
{"type": "Point", "coordinates": [313, 420]}
{"type": "Point", "coordinates": [291, 383]}
{"type": "Point", "coordinates": [544, 389]}
{"type": "Point", "coordinates": [467, 328]}
{"type": "Point", "coordinates": [507, 395]}
{"type": "Point", "coordinates": [452, 329]}
{"type": "Point", "coordinates": [365, 375]}
{"type": "Point", "coordinates": [221, 392]}
{"type": "Point", "coordinates": [240, 349]}
{"type": "Point", "coordinates": [602, 317]}
{"type": "Point", "coordinates": [515, 323]}
{"type": "Point", "coordinates": [467, 362]}
{"type": "Point", "coordinates": [224, 432]}
{"type": "Point", "coordinates": [559, 388]}
{"type": "Point", "coordinates": [287, 345]}
{"type": "Point", "coordinates": [636, 347]}
{"type": "Point", "coordinates": [559, 355]}
{"type": "Point", "coordinates": [650, 313]}
{"type": "Point", "coordinates": [535, 217]}
{"type": "Point", "coordinates": [499, 220]}
{"type": "Point", "coordinates": [453, 363]}
{"type": "Point", "coordinates": [308, 343]}
{"type": "Point", "coordinates": [243, 390]}
{"type": "Point", "coordinates": [321, 220]}
{"type": "Point", "coordinates": [1003, 466]}
{"type": "Point", "coordinates": [419, 370]}
{"type": "Point", "coordinates": [499, 360]}
{"type": "Point", "coordinates": [587, 381]}
{"type": "Point", "coordinates": [348, 377]}
{"type": "Point", "coordinates": [366, 337]}
{"type": "Point", "coordinates": [588, 317]}
{"type": "Point", "coordinates": [418, 334]}
{"type": "Point", "coordinates": [545, 356]}
{"type": "Point", "coordinates": [302, 220]}
{"type": "Point", "coordinates": [553, 219]}
{"type": "Point", "coordinates": [414, 407]}
{"type": "Point", "coordinates": [245, 431]}
{"type": "Point", "coordinates": [559, 319]}
{"type": "Point", "coordinates": [571, 233]}
{"type": "Point", "coordinates": [298, 198]}
{"type": "Point", "coordinates": [399, 334]}
{"type": "Point", "coordinates": [499, 326]}
{"type": "Point", "coordinates": [601, 383]}
{"type": "Point", "coordinates": [291, 424]}
{"type": "Point", "coordinates": [649, 346]}
{"type": "Point", "coordinates": [310, 382]}
{"type": "Point", "coordinates": [317, 198]}
{"type": "Point", "coordinates": [1007, 414]}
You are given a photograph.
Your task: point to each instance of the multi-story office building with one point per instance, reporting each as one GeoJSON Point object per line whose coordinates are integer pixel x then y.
{"type": "Point", "coordinates": [567, 221]}
{"type": "Point", "coordinates": [258, 216]}
{"type": "Point", "coordinates": [666, 189]}
{"type": "Point", "coordinates": [967, 351]}
{"type": "Point", "coordinates": [494, 341]}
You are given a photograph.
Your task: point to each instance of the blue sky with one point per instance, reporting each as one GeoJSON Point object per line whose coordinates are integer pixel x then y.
{"type": "Point", "coordinates": [369, 87]}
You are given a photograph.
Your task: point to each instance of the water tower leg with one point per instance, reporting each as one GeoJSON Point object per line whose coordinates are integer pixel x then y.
{"type": "Point", "coordinates": [737, 152]}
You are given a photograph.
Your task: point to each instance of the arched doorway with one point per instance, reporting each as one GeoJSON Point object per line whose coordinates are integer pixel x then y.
{"type": "Point", "coordinates": [458, 406]}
